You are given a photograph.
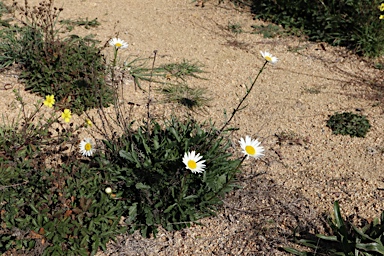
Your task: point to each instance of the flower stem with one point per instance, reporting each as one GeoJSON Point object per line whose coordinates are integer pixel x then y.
{"type": "Point", "coordinates": [114, 65]}
{"type": "Point", "coordinates": [243, 99]}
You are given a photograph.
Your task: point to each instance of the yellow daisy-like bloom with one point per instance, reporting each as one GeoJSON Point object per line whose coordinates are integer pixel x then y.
{"type": "Point", "coordinates": [268, 57]}
{"type": "Point", "coordinates": [192, 162]}
{"type": "Point", "coordinates": [118, 43]}
{"type": "Point", "coordinates": [49, 101]}
{"type": "Point", "coordinates": [87, 147]}
{"type": "Point", "coordinates": [381, 7]}
{"type": "Point", "coordinates": [66, 115]}
{"type": "Point", "coordinates": [251, 147]}
{"type": "Point", "coordinates": [381, 17]}
{"type": "Point", "coordinates": [88, 122]}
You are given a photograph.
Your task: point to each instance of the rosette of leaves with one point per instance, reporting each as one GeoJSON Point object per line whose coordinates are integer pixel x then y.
{"type": "Point", "coordinates": [145, 169]}
{"type": "Point", "coordinates": [347, 239]}
{"type": "Point", "coordinates": [348, 123]}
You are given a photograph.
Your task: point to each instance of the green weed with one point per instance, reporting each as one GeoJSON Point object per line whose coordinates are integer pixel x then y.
{"type": "Point", "coordinates": [348, 123]}
{"type": "Point", "coordinates": [354, 24]}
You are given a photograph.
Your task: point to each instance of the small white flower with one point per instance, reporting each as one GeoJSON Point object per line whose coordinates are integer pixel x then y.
{"type": "Point", "coordinates": [191, 161]}
{"type": "Point", "coordinates": [118, 43]}
{"type": "Point", "coordinates": [108, 190]}
{"type": "Point", "coordinates": [251, 147]}
{"type": "Point", "coordinates": [87, 147]}
{"type": "Point", "coordinates": [268, 57]}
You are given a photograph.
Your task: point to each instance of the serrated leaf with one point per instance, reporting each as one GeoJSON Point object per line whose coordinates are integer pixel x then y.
{"type": "Point", "coordinates": [126, 155]}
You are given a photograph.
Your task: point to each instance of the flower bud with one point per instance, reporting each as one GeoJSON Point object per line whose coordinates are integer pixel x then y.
{"type": "Point", "coordinates": [108, 190]}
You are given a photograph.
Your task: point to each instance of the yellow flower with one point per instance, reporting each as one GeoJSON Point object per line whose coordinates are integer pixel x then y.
{"type": "Point", "coordinates": [381, 7]}
{"type": "Point", "coordinates": [88, 122]}
{"type": "Point", "coordinates": [66, 115]}
{"type": "Point", "coordinates": [49, 101]}
{"type": "Point", "coordinates": [381, 17]}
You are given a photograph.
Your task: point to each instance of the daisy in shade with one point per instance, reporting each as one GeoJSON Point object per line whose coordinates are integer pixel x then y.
{"type": "Point", "coordinates": [87, 147]}
{"type": "Point", "coordinates": [251, 147]}
{"type": "Point", "coordinates": [49, 101]}
{"type": "Point", "coordinates": [192, 162]}
{"type": "Point", "coordinates": [268, 57]}
{"type": "Point", "coordinates": [118, 43]}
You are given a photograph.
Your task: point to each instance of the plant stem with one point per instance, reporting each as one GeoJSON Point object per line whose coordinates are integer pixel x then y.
{"type": "Point", "coordinates": [149, 92]}
{"type": "Point", "coordinates": [243, 99]}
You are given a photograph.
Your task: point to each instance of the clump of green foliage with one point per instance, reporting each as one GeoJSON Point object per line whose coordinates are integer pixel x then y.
{"type": "Point", "coordinates": [71, 68]}
{"type": "Point", "coordinates": [71, 24]}
{"type": "Point", "coordinates": [50, 200]}
{"type": "Point", "coordinates": [347, 239]}
{"type": "Point", "coordinates": [185, 95]}
{"type": "Point", "coordinates": [268, 31]}
{"type": "Point", "coordinates": [351, 23]}
{"type": "Point", "coordinates": [348, 123]}
{"type": "Point", "coordinates": [146, 172]}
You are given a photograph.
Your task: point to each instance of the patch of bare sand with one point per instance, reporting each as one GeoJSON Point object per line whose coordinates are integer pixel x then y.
{"type": "Point", "coordinates": [303, 173]}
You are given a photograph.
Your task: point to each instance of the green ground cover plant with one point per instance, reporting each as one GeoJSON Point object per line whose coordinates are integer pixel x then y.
{"type": "Point", "coordinates": [348, 123]}
{"type": "Point", "coordinates": [355, 24]}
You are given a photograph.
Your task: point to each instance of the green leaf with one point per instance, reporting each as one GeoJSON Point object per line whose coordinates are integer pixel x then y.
{"type": "Point", "coordinates": [371, 247]}
{"type": "Point", "coordinates": [142, 186]}
{"type": "Point", "coordinates": [328, 238]}
{"type": "Point", "coordinates": [295, 252]}
{"type": "Point", "coordinates": [126, 155]}
{"type": "Point", "coordinates": [174, 133]}
{"type": "Point", "coordinates": [169, 208]}
{"type": "Point", "coordinates": [190, 197]}
{"type": "Point", "coordinates": [362, 234]}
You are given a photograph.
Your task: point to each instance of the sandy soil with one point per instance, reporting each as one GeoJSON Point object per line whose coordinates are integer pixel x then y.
{"type": "Point", "coordinates": [305, 169]}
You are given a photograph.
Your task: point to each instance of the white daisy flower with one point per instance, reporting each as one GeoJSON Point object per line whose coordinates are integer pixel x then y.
{"type": "Point", "coordinates": [87, 147]}
{"type": "Point", "coordinates": [191, 161]}
{"type": "Point", "coordinates": [268, 57]}
{"type": "Point", "coordinates": [251, 147]}
{"type": "Point", "coordinates": [118, 43]}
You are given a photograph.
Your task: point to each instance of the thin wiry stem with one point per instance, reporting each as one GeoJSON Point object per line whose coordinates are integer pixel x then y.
{"type": "Point", "coordinates": [243, 99]}
{"type": "Point", "coordinates": [149, 92]}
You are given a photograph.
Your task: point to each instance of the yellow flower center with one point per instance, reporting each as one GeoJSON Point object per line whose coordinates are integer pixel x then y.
{"type": "Point", "coordinates": [250, 150]}
{"type": "Point", "coordinates": [118, 45]}
{"type": "Point", "coordinates": [192, 164]}
{"type": "Point", "coordinates": [268, 58]}
{"type": "Point", "coordinates": [88, 146]}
